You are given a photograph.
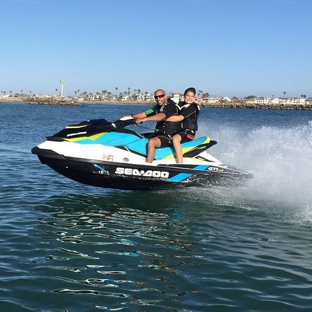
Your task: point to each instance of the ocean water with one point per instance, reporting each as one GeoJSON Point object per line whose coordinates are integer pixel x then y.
{"type": "Point", "coordinates": [71, 247]}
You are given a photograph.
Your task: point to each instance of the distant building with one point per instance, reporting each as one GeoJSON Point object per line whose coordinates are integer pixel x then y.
{"type": "Point", "coordinates": [176, 97]}
{"type": "Point", "coordinates": [275, 101]}
{"type": "Point", "coordinates": [296, 101]}
{"type": "Point", "coordinates": [213, 100]}
{"type": "Point", "coordinates": [259, 101]}
{"type": "Point", "coordinates": [226, 99]}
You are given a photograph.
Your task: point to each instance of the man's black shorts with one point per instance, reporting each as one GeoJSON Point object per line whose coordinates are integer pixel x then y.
{"type": "Point", "coordinates": [165, 139]}
{"type": "Point", "coordinates": [187, 135]}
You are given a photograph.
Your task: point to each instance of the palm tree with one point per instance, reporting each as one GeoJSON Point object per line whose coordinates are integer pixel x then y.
{"type": "Point", "coordinates": [104, 93]}
{"type": "Point", "coordinates": [284, 93]}
{"type": "Point", "coordinates": [116, 89]}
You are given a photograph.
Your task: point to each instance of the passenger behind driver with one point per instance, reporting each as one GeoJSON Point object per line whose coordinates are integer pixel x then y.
{"type": "Point", "coordinates": [189, 112]}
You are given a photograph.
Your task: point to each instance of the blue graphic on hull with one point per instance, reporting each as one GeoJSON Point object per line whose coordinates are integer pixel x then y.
{"type": "Point", "coordinates": [182, 176]}
{"type": "Point", "coordinates": [100, 168]}
{"type": "Point", "coordinates": [179, 177]}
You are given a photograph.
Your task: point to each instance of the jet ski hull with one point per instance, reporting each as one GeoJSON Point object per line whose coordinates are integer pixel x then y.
{"type": "Point", "coordinates": [140, 177]}
{"type": "Point", "coordinates": [104, 154]}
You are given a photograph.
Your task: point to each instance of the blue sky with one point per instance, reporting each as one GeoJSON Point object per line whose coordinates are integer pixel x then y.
{"type": "Point", "coordinates": [223, 47]}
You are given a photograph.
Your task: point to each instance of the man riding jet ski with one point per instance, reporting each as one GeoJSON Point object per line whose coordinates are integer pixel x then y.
{"type": "Point", "coordinates": [165, 129]}
{"type": "Point", "coordinates": [105, 154]}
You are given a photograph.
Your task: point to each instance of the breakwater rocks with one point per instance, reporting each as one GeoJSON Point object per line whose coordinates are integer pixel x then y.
{"type": "Point", "coordinates": [215, 105]}
{"type": "Point", "coordinates": [259, 106]}
{"type": "Point", "coordinates": [72, 101]}
{"type": "Point", "coordinates": [52, 101]}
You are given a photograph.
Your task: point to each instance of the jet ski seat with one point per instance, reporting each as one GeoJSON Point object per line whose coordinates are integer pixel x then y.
{"type": "Point", "coordinates": [140, 147]}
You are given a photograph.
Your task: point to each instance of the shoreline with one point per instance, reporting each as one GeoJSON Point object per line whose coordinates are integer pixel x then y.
{"type": "Point", "coordinates": [238, 105]}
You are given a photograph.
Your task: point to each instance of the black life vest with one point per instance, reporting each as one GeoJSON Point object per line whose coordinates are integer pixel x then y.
{"type": "Point", "coordinates": [190, 122]}
{"type": "Point", "coordinates": [169, 127]}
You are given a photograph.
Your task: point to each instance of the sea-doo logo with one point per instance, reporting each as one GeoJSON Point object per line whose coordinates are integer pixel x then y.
{"type": "Point", "coordinates": [142, 173]}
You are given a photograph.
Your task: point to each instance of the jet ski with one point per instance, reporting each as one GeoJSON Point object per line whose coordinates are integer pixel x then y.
{"type": "Point", "coordinates": [106, 154]}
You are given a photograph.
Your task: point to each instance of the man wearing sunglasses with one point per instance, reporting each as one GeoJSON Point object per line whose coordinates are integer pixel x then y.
{"type": "Point", "coordinates": [164, 130]}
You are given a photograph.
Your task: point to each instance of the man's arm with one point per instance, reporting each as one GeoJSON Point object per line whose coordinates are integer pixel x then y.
{"type": "Point", "coordinates": [139, 115]}
{"type": "Point", "coordinates": [187, 111]}
{"type": "Point", "coordinates": [157, 117]}
{"type": "Point", "coordinates": [176, 118]}
{"type": "Point", "coordinates": [150, 111]}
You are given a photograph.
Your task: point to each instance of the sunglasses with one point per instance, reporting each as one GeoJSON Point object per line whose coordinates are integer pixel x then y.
{"type": "Point", "coordinates": [159, 96]}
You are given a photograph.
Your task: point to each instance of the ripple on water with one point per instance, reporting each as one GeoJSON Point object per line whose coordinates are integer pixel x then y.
{"type": "Point", "coordinates": [119, 251]}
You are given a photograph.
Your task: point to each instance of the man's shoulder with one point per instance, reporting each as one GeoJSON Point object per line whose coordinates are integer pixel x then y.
{"type": "Point", "coordinates": [171, 105]}
{"type": "Point", "coordinates": [170, 101]}
{"type": "Point", "coordinates": [188, 109]}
